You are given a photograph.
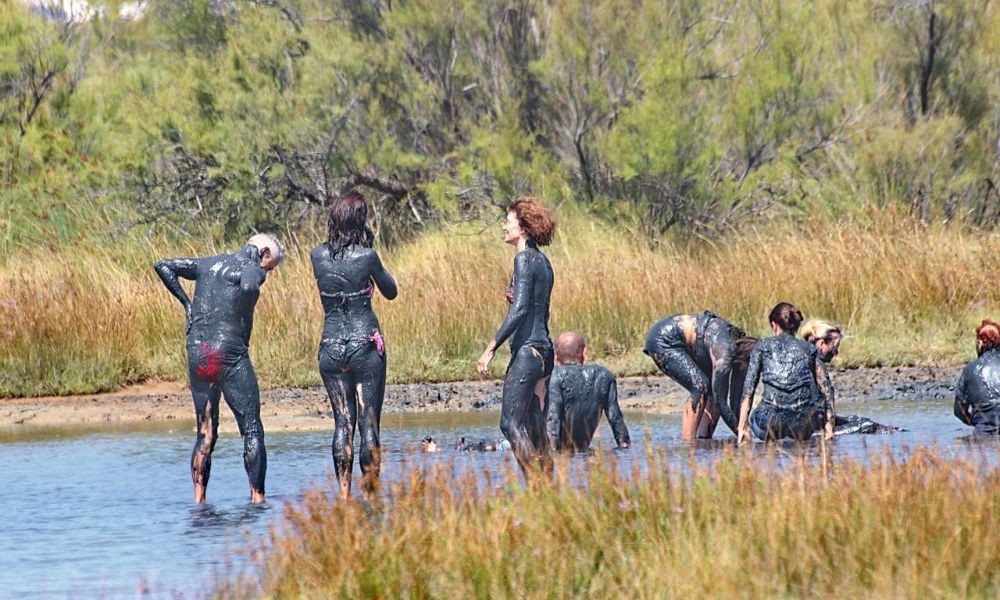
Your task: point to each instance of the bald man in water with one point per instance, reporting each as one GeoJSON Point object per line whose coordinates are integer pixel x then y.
{"type": "Point", "coordinates": [578, 394]}
{"type": "Point", "coordinates": [219, 322]}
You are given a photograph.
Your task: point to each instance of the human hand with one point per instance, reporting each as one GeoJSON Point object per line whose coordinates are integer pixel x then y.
{"type": "Point", "coordinates": [742, 435]}
{"type": "Point", "coordinates": [483, 364]}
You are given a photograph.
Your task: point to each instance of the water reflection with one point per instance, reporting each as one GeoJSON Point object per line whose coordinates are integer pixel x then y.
{"type": "Point", "coordinates": [108, 513]}
{"type": "Point", "coordinates": [208, 516]}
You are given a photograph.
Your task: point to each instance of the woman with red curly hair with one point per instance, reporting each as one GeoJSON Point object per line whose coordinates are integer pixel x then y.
{"type": "Point", "coordinates": [529, 225]}
{"type": "Point", "coordinates": [977, 394]}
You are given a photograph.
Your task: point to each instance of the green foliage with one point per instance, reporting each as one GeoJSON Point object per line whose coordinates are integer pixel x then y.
{"type": "Point", "coordinates": [229, 117]}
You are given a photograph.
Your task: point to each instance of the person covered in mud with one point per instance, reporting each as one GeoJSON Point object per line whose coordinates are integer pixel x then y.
{"type": "Point", "coordinates": [798, 398]}
{"type": "Point", "coordinates": [528, 227]}
{"type": "Point", "coordinates": [977, 393]}
{"type": "Point", "coordinates": [482, 445]}
{"type": "Point", "coordinates": [707, 356]}
{"type": "Point", "coordinates": [352, 358]}
{"type": "Point", "coordinates": [219, 323]}
{"type": "Point", "coordinates": [827, 337]}
{"type": "Point", "coordinates": [578, 394]}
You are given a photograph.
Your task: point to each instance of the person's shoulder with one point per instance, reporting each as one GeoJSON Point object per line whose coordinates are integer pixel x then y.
{"type": "Point", "coordinates": [765, 344]}
{"type": "Point", "coordinates": [600, 370]}
{"type": "Point", "coordinates": [320, 251]}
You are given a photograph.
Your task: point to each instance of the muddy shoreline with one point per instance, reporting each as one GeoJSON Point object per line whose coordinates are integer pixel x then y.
{"type": "Point", "coordinates": [303, 409]}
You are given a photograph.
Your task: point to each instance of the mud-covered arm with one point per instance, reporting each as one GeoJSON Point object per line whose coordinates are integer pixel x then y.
{"type": "Point", "coordinates": [615, 417]}
{"type": "Point", "coordinates": [722, 368]}
{"type": "Point", "coordinates": [554, 413]}
{"type": "Point", "coordinates": [518, 310]}
{"type": "Point", "coordinates": [962, 401]}
{"type": "Point", "coordinates": [383, 280]}
{"type": "Point", "coordinates": [169, 271]}
{"type": "Point", "coordinates": [825, 387]}
{"type": "Point", "coordinates": [251, 280]}
{"type": "Point", "coordinates": [749, 387]}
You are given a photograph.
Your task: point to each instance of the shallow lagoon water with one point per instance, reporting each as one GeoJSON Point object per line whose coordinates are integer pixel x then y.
{"type": "Point", "coordinates": [107, 513]}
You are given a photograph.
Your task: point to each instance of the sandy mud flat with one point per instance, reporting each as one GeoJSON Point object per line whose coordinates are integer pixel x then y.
{"type": "Point", "coordinates": [301, 409]}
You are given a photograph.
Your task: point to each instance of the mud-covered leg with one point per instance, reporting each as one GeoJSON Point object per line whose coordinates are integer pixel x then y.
{"type": "Point", "coordinates": [206, 407]}
{"type": "Point", "coordinates": [537, 420]}
{"type": "Point", "coordinates": [239, 387]}
{"type": "Point", "coordinates": [516, 410]}
{"type": "Point", "coordinates": [681, 368]}
{"type": "Point", "coordinates": [370, 391]}
{"type": "Point", "coordinates": [340, 389]}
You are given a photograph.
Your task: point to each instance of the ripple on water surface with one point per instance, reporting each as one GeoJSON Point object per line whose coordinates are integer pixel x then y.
{"type": "Point", "coordinates": [108, 513]}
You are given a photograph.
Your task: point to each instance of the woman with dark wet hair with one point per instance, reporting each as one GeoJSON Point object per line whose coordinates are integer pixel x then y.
{"type": "Point", "coordinates": [707, 356]}
{"type": "Point", "coordinates": [352, 351]}
{"type": "Point", "coordinates": [529, 225]}
{"type": "Point", "coordinates": [798, 397]}
{"type": "Point", "coordinates": [977, 394]}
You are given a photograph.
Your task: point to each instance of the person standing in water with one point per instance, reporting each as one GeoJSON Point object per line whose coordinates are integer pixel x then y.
{"type": "Point", "coordinates": [578, 394]}
{"type": "Point", "coordinates": [352, 359]}
{"type": "Point", "coordinates": [798, 398]}
{"type": "Point", "coordinates": [707, 356]}
{"type": "Point", "coordinates": [977, 393]}
{"type": "Point", "coordinates": [219, 322]}
{"type": "Point", "coordinates": [529, 225]}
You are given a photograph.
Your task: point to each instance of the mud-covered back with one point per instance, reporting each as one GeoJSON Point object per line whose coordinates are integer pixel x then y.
{"type": "Point", "coordinates": [787, 363]}
{"type": "Point", "coordinates": [980, 383]}
{"type": "Point", "coordinates": [222, 307]}
{"type": "Point", "coordinates": [344, 281]}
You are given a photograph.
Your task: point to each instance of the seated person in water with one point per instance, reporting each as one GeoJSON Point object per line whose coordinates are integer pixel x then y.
{"type": "Point", "coordinates": [707, 356]}
{"type": "Point", "coordinates": [219, 323]}
{"type": "Point", "coordinates": [827, 337]}
{"type": "Point", "coordinates": [798, 398]}
{"type": "Point", "coordinates": [481, 445]}
{"type": "Point", "coordinates": [977, 394]}
{"type": "Point", "coordinates": [578, 394]}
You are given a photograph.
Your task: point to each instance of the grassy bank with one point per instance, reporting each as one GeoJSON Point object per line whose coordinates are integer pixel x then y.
{"type": "Point", "coordinates": [96, 318]}
{"type": "Point", "coordinates": [742, 528]}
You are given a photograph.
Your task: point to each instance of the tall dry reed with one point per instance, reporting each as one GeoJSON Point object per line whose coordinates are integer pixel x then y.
{"type": "Point", "coordinates": [888, 528]}
{"type": "Point", "coordinates": [906, 293]}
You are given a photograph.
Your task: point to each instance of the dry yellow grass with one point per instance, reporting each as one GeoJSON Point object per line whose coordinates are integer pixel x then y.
{"type": "Point", "coordinates": [906, 293]}
{"type": "Point", "coordinates": [889, 528]}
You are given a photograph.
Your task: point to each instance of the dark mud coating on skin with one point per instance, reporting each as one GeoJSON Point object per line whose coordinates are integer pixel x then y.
{"type": "Point", "coordinates": [578, 394]}
{"type": "Point", "coordinates": [851, 424]}
{"type": "Point", "coordinates": [977, 393]}
{"type": "Point", "coordinates": [797, 389]}
{"type": "Point", "coordinates": [219, 323]}
{"type": "Point", "coordinates": [522, 416]}
{"type": "Point", "coordinates": [352, 358]}
{"type": "Point", "coordinates": [707, 369]}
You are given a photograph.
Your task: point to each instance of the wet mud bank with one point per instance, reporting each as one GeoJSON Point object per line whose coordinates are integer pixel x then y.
{"type": "Point", "coordinates": [303, 409]}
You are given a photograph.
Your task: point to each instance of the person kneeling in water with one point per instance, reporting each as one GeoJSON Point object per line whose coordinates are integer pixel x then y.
{"type": "Point", "coordinates": [798, 398]}
{"type": "Point", "coordinates": [578, 393]}
{"type": "Point", "coordinates": [977, 393]}
{"type": "Point", "coordinates": [827, 337]}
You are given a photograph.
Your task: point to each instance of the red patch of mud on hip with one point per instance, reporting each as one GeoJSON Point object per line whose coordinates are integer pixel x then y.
{"type": "Point", "coordinates": [210, 365]}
